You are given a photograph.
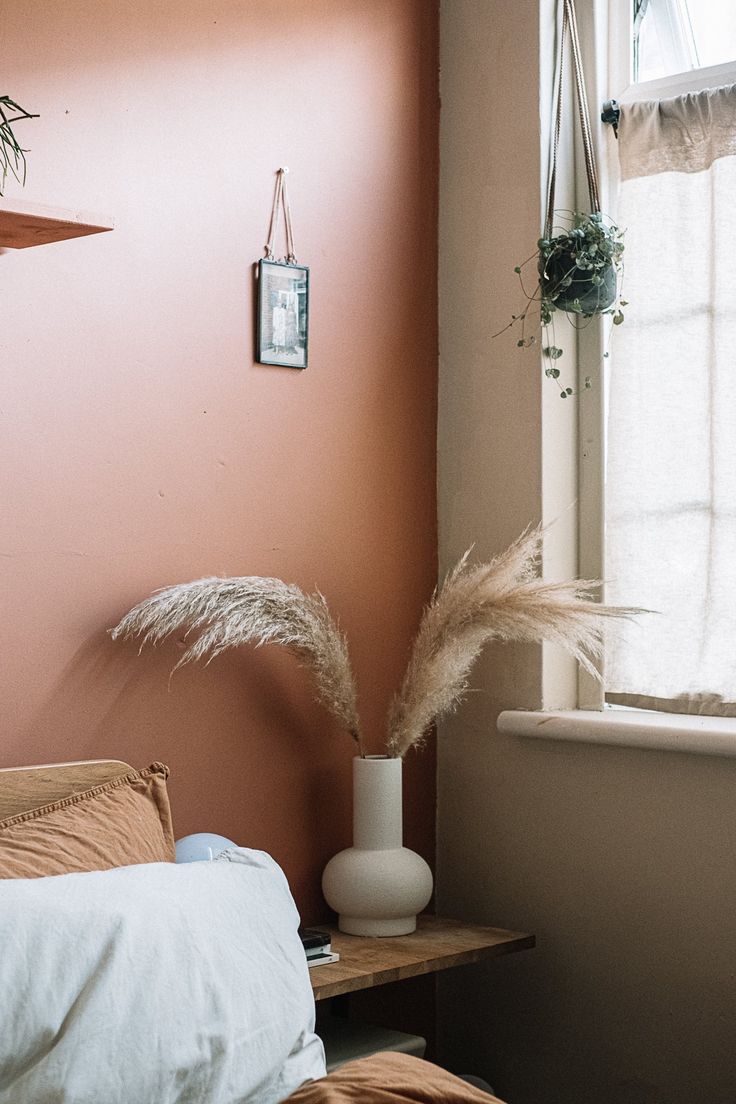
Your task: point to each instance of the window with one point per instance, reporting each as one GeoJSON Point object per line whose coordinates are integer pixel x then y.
{"type": "Point", "coordinates": [677, 36]}
{"type": "Point", "coordinates": [670, 465]}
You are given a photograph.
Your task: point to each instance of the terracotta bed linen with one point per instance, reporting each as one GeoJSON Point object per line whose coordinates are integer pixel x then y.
{"type": "Point", "coordinates": [388, 1078]}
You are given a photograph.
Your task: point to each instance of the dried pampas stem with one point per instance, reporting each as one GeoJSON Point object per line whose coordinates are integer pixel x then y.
{"type": "Point", "coordinates": [229, 612]}
{"type": "Point", "coordinates": [504, 600]}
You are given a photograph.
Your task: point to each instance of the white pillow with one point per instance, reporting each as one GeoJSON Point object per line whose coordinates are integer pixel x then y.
{"type": "Point", "coordinates": [155, 984]}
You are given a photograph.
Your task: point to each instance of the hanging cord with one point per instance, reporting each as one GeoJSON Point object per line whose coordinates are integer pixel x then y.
{"type": "Point", "coordinates": [569, 23]}
{"type": "Point", "coordinates": [274, 223]}
{"type": "Point", "coordinates": [577, 57]}
{"type": "Point", "coordinates": [280, 199]}
{"type": "Point", "coordinates": [556, 130]}
{"type": "Point", "coordinates": [290, 254]}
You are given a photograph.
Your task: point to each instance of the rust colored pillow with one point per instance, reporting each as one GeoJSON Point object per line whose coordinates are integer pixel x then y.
{"type": "Point", "coordinates": [119, 823]}
{"type": "Point", "coordinates": [389, 1078]}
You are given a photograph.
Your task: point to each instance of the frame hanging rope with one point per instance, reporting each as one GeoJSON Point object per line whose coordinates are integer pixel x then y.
{"type": "Point", "coordinates": [281, 199]}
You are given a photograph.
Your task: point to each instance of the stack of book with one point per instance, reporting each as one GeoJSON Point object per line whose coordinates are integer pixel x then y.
{"type": "Point", "coordinates": [317, 947]}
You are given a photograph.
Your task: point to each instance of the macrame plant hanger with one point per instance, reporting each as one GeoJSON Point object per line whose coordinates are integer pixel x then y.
{"type": "Point", "coordinates": [282, 293]}
{"type": "Point", "coordinates": [568, 283]}
{"type": "Point", "coordinates": [570, 25]}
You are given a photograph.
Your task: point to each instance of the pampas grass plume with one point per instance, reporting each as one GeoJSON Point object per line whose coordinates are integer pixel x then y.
{"type": "Point", "coordinates": [504, 599]}
{"type": "Point", "coordinates": [227, 612]}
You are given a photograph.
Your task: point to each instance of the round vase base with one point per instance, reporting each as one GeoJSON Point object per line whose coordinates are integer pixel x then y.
{"type": "Point", "coordinates": [357, 925]}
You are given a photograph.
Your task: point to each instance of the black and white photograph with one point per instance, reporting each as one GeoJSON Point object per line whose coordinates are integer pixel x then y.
{"type": "Point", "coordinates": [283, 310]}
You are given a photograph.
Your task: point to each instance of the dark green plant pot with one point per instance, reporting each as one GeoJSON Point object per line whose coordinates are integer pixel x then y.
{"type": "Point", "coordinates": [581, 296]}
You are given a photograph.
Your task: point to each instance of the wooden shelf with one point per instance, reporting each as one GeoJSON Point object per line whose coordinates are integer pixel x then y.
{"type": "Point", "coordinates": [437, 944]}
{"type": "Point", "coordinates": [24, 224]}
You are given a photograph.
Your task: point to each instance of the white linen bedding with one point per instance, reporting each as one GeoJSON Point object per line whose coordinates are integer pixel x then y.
{"type": "Point", "coordinates": [155, 984]}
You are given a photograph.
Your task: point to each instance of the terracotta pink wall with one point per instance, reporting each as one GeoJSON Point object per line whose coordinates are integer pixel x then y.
{"type": "Point", "coordinates": [141, 445]}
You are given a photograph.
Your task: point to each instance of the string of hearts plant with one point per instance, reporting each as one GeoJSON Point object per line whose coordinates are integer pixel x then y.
{"type": "Point", "coordinates": [504, 599]}
{"type": "Point", "coordinates": [579, 273]}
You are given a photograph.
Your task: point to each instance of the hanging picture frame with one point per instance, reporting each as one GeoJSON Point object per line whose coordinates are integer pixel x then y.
{"type": "Point", "coordinates": [282, 327]}
{"type": "Point", "coordinates": [282, 314]}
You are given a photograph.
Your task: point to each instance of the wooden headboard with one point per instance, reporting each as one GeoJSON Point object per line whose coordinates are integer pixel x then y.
{"type": "Point", "coordinates": [26, 788]}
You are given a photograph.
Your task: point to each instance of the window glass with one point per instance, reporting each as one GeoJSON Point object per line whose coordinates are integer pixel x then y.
{"type": "Point", "coordinates": [675, 36]}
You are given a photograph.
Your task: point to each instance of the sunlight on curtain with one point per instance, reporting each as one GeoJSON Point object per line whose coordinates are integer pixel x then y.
{"type": "Point", "coordinates": [671, 469]}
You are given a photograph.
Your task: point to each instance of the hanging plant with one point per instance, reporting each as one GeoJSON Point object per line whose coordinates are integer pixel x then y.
{"type": "Point", "coordinates": [579, 273]}
{"type": "Point", "coordinates": [579, 269]}
{"type": "Point", "coordinates": [579, 265]}
{"type": "Point", "coordinates": [12, 155]}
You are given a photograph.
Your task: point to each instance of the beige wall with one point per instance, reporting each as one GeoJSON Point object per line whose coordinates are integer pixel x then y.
{"type": "Point", "coordinates": [621, 861]}
{"type": "Point", "coordinates": [140, 443]}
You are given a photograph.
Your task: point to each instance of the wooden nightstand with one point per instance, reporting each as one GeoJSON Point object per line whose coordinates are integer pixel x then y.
{"type": "Point", "coordinates": [366, 963]}
{"type": "Point", "coordinates": [437, 944]}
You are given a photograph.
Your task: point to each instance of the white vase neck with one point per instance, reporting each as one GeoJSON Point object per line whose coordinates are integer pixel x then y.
{"type": "Point", "coordinates": [377, 805]}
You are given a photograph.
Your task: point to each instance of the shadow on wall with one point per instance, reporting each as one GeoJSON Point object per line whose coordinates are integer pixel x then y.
{"type": "Point", "coordinates": [109, 688]}
{"type": "Point", "coordinates": [280, 761]}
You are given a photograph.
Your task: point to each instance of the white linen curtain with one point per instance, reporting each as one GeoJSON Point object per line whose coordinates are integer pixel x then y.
{"type": "Point", "coordinates": [671, 465]}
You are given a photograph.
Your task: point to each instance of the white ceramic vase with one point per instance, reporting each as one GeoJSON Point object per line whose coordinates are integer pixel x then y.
{"type": "Point", "coordinates": [377, 886]}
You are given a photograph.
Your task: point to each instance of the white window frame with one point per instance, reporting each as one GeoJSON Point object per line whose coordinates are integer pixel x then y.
{"type": "Point", "coordinates": [620, 70]}
{"type": "Point", "coordinates": [590, 722]}
{"type": "Point", "coordinates": [592, 415]}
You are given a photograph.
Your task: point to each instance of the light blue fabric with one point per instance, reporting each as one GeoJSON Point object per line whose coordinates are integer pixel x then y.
{"type": "Point", "coordinates": [201, 846]}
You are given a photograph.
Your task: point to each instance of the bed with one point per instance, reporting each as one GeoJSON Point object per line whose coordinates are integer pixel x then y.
{"type": "Point", "coordinates": [129, 979]}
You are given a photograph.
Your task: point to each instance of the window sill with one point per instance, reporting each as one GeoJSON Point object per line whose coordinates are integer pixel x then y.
{"type": "Point", "coordinates": [627, 728]}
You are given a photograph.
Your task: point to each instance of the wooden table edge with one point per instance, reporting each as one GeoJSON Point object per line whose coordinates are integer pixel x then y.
{"type": "Point", "coordinates": [330, 980]}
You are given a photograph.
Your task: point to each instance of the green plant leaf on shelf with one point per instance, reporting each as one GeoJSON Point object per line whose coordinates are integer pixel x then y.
{"type": "Point", "coordinates": [12, 154]}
